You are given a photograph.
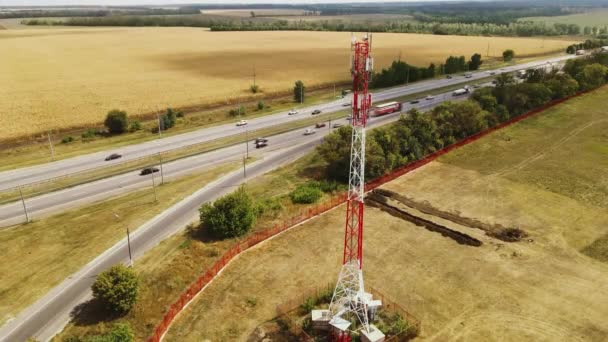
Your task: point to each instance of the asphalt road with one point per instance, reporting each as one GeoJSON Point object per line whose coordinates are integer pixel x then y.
{"type": "Point", "coordinates": [39, 206]}
{"type": "Point", "coordinates": [13, 178]}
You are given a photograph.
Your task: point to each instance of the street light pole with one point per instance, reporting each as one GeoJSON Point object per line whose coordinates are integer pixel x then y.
{"type": "Point", "coordinates": [159, 124]}
{"type": "Point", "coordinates": [154, 187]}
{"type": "Point", "coordinates": [27, 218]}
{"type": "Point", "coordinates": [162, 177]}
{"type": "Point", "coordinates": [48, 135]}
{"type": "Point", "coordinates": [129, 246]}
{"type": "Point", "coordinates": [244, 168]}
{"type": "Point", "coordinates": [247, 141]}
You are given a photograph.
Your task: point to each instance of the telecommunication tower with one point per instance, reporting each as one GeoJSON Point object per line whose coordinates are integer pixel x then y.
{"type": "Point", "coordinates": [349, 299]}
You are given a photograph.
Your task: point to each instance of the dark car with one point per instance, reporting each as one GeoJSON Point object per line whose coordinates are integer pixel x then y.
{"type": "Point", "coordinates": [449, 77]}
{"type": "Point", "coordinates": [148, 171]}
{"type": "Point", "coordinates": [338, 125]}
{"type": "Point", "coordinates": [320, 124]}
{"type": "Point", "coordinates": [316, 111]}
{"type": "Point", "coordinates": [260, 140]}
{"type": "Point", "coordinates": [414, 101]}
{"type": "Point", "coordinates": [261, 144]}
{"type": "Point", "coordinates": [113, 156]}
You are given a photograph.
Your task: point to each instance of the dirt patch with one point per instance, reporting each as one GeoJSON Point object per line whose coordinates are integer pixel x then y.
{"type": "Point", "coordinates": [498, 231]}
{"type": "Point", "coordinates": [375, 199]}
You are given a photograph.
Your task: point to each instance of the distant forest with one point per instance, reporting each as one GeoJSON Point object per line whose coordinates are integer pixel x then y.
{"type": "Point", "coordinates": [467, 18]}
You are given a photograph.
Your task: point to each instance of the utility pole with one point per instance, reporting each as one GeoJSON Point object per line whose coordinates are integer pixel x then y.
{"type": "Point", "coordinates": [129, 246]}
{"type": "Point", "coordinates": [48, 135]}
{"type": "Point", "coordinates": [247, 141]}
{"type": "Point", "coordinates": [244, 167]}
{"type": "Point", "coordinates": [27, 218]}
{"type": "Point", "coordinates": [128, 241]}
{"type": "Point", "coordinates": [162, 176]}
{"type": "Point", "coordinates": [254, 75]}
{"type": "Point", "coordinates": [154, 187]}
{"type": "Point", "coordinates": [159, 123]}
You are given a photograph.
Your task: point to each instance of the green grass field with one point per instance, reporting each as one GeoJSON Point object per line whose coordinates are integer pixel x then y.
{"type": "Point", "coordinates": [598, 17]}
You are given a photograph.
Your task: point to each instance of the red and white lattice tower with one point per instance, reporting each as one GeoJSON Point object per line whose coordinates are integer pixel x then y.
{"type": "Point", "coordinates": [349, 296]}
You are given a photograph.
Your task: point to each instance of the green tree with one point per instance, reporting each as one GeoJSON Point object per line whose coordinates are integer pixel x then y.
{"type": "Point", "coordinates": [592, 76]}
{"type": "Point", "coordinates": [168, 119]}
{"type": "Point", "coordinates": [261, 105]}
{"type": "Point", "coordinates": [117, 288]}
{"type": "Point", "coordinates": [335, 150]}
{"type": "Point", "coordinates": [299, 91]}
{"type": "Point", "coordinates": [229, 216]}
{"type": "Point", "coordinates": [116, 121]}
{"type": "Point", "coordinates": [562, 85]}
{"type": "Point", "coordinates": [475, 62]}
{"type": "Point", "coordinates": [508, 55]}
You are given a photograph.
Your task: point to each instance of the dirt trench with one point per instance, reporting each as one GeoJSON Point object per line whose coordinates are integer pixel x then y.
{"type": "Point", "coordinates": [498, 231]}
{"type": "Point", "coordinates": [379, 201]}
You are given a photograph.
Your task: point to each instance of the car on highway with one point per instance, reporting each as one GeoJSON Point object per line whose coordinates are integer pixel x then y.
{"type": "Point", "coordinates": [320, 124]}
{"type": "Point", "coordinates": [113, 156]}
{"type": "Point", "coordinates": [346, 104]}
{"type": "Point", "coordinates": [492, 73]}
{"type": "Point", "coordinates": [468, 75]}
{"type": "Point", "coordinates": [309, 131]}
{"type": "Point", "coordinates": [316, 111]}
{"type": "Point", "coordinates": [261, 144]}
{"type": "Point", "coordinates": [429, 97]}
{"type": "Point", "coordinates": [148, 171]}
{"type": "Point", "coordinates": [476, 86]}
{"type": "Point", "coordinates": [292, 112]}
{"type": "Point", "coordinates": [414, 101]}
{"type": "Point", "coordinates": [449, 77]}
{"type": "Point", "coordinates": [348, 117]}
{"type": "Point", "coordinates": [337, 125]}
{"type": "Point", "coordinates": [260, 140]}
{"type": "Point", "coordinates": [241, 123]}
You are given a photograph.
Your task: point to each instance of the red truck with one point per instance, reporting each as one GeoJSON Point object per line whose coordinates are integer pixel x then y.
{"type": "Point", "coordinates": [386, 108]}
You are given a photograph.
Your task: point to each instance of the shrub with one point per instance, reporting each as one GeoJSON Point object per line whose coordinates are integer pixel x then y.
{"type": "Point", "coordinates": [260, 105]}
{"type": "Point", "coordinates": [117, 288]}
{"type": "Point", "coordinates": [229, 216]}
{"type": "Point", "coordinates": [135, 126]}
{"type": "Point", "coordinates": [116, 121]}
{"type": "Point", "coordinates": [308, 305]}
{"type": "Point", "coordinates": [272, 205]}
{"type": "Point", "coordinates": [508, 55]}
{"type": "Point", "coordinates": [240, 110]}
{"type": "Point", "coordinates": [67, 140]}
{"type": "Point", "coordinates": [306, 194]}
{"type": "Point", "coordinates": [89, 133]}
{"type": "Point", "coordinates": [254, 88]}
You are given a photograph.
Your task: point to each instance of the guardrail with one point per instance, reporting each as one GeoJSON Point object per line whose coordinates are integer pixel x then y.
{"type": "Point", "coordinates": [258, 237]}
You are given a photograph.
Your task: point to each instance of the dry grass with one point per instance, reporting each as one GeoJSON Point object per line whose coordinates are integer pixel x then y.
{"type": "Point", "coordinates": [64, 78]}
{"type": "Point", "coordinates": [37, 256]}
{"type": "Point", "coordinates": [246, 13]}
{"type": "Point", "coordinates": [539, 290]}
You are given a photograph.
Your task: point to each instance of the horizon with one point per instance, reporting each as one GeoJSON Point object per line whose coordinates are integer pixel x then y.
{"type": "Point", "coordinates": [63, 3]}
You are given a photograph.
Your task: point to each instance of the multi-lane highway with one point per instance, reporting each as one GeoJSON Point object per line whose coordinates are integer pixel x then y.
{"type": "Point", "coordinates": [49, 314]}
{"type": "Point", "coordinates": [13, 178]}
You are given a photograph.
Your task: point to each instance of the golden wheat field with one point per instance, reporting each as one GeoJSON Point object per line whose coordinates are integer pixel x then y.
{"type": "Point", "coordinates": [61, 78]}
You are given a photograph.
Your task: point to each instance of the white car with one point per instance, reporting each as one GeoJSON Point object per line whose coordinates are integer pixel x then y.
{"type": "Point", "coordinates": [309, 131]}
{"type": "Point", "coordinates": [241, 123]}
{"type": "Point", "coordinates": [292, 112]}
{"type": "Point", "coordinates": [429, 97]}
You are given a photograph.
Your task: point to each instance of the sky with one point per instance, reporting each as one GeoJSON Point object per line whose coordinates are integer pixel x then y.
{"type": "Point", "coordinates": [169, 2]}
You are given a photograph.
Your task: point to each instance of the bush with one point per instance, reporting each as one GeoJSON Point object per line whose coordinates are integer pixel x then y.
{"type": "Point", "coordinates": [254, 88]}
{"type": "Point", "coordinates": [260, 105]}
{"type": "Point", "coordinates": [117, 288]}
{"type": "Point", "coordinates": [168, 119]}
{"type": "Point", "coordinates": [89, 134]}
{"type": "Point", "coordinates": [67, 140]}
{"type": "Point", "coordinates": [508, 55]}
{"type": "Point", "coordinates": [240, 110]}
{"type": "Point", "coordinates": [121, 332]}
{"type": "Point", "coordinates": [272, 205]}
{"type": "Point", "coordinates": [135, 126]}
{"type": "Point", "coordinates": [116, 121]}
{"type": "Point", "coordinates": [229, 216]}
{"type": "Point", "coordinates": [306, 194]}
{"type": "Point", "coordinates": [299, 91]}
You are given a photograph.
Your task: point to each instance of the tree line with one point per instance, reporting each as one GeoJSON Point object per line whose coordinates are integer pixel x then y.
{"type": "Point", "coordinates": [416, 135]}
{"type": "Point", "coordinates": [399, 72]}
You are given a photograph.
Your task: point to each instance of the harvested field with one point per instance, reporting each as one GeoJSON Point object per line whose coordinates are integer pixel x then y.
{"type": "Point", "coordinates": [543, 288]}
{"type": "Point", "coordinates": [71, 77]}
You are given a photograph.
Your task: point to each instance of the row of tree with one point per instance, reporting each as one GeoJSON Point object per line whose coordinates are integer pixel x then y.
{"type": "Point", "coordinates": [587, 45]}
{"type": "Point", "coordinates": [521, 29]}
{"type": "Point", "coordinates": [400, 72]}
{"type": "Point", "coordinates": [416, 135]}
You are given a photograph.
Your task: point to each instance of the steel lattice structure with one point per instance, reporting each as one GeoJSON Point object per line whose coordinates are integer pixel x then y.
{"type": "Point", "coordinates": [349, 297]}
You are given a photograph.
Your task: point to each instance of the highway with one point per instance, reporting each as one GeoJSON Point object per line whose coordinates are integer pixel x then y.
{"type": "Point", "coordinates": [49, 314]}
{"type": "Point", "coordinates": [39, 206]}
{"type": "Point", "coordinates": [12, 178]}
